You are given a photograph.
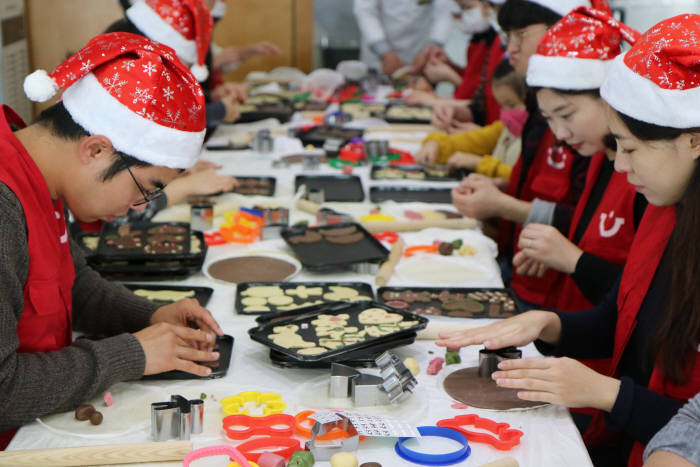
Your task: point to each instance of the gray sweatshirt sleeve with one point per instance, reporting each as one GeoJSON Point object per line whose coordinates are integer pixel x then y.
{"type": "Point", "coordinates": [36, 384]}
{"type": "Point", "coordinates": [541, 212]}
{"type": "Point", "coordinates": [681, 435]}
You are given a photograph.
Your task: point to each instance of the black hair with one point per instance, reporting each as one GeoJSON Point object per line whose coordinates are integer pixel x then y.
{"type": "Point", "coordinates": [678, 333]}
{"type": "Point", "coordinates": [505, 74]}
{"type": "Point", "coordinates": [519, 14]}
{"type": "Point", "coordinates": [594, 93]}
{"type": "Point", "coordinates": [57, 120]}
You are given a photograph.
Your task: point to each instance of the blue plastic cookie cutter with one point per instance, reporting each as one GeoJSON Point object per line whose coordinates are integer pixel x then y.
{"type": "Point", "coordinates": [435, 459]}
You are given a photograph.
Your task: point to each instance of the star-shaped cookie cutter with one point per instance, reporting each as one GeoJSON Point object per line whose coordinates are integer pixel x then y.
{"type": "Point", "coordinates": [270, 402]}
{"type": "Point", "coordinates": [506, 437]}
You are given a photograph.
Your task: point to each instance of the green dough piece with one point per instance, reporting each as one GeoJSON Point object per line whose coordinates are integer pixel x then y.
{"type": "Point", "coordinates": [301, 459]}
{"type": "Point", "coordinates": [464, 304]}
{"type": "Point", "coordinates": [452, 358]}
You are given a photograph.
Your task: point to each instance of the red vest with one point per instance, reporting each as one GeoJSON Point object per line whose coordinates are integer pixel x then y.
{"type": "Point", "coordinates": [644, 258]}
{"type": "Point", "coordinates": [609, 233]}
{"type": "Point", "coordinates": [549, 179]}
{"type": "Point", "coordinates": [45, 323]}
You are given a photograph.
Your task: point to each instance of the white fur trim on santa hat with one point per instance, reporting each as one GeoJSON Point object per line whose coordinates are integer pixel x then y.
{"type": "Point", "coordinates": [639, 98]}
{"type": "Point", "coordinates": [39, 86]}
{"type": "Point", "coordinates": [200, 72]}
{"type": "Point", "coordinates": [219, 9]}
{"type": "Point", "coordinates": [99, 113]}
{"type": "Point", "coordinates": [156, 28]}
{"type": "Point", "coordinates": [562, 7]}
{"type": "Point", "coordinates": [566, 73]}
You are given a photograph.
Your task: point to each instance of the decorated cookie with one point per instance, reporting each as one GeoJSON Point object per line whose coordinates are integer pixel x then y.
{"type": "Point", "coordinates": [286, 329]}
{"type": "Point", "coordinates": [400, 304]}
{"type": "Point", "coordinates": [466, 304]}
{"type": "Point", "coordinates": [331, 320]}
{"type": "Point", "coordinates": [331, 343]}
{"type": "Point", "coordinates": [378, 316]}
{"type": "Point", "coordinates": [262, 291]}
{"type": "Point", "coordinates": [376, 331]}
{"type": "Point", "coordinates": [253, 301]}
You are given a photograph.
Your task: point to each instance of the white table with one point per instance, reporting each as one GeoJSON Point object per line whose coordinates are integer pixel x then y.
{"type": "Point", "coordinates": [550, 435]}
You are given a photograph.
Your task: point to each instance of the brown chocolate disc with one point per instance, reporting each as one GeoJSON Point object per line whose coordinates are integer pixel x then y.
{"type": "Point", "coordinates": [310, 236]}
{"type": "Point", "coordinates": [251, 269]}
{"type": "Point", "coordinates": [339, 232]}
{"type": "Point", "coordinates": [346, 239]}
{"type": "Point", "coordinates": [468, 387]}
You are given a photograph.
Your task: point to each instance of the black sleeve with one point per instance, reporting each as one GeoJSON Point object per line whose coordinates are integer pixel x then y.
{"type": "Point", "coordinates": [640, 412]}
{"type": "Point", "coordinates": [595, 276]}
{"type": "Point", "coordinates": [640, 205]}
{"type": "Point", "coordinates": [586, 334]}
{"type": "Point", "coordinates": [478, 112]}
{"type": "Point", "coordinates": [563, 214]}
{"type": "Point", "coordinates": [216, 111]}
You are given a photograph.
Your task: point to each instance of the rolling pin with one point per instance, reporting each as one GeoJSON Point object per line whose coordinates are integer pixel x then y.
{"type": "Point", "coordinates": [412, 226]}
{"type": "Point", "coordinates": [387, 269]}
{"type": "Point", "coordinates": [98, 455]}
{"type": "Point", "coordinates": [504, 462]}
{"type": "Point", "coordinates": [308, 206]}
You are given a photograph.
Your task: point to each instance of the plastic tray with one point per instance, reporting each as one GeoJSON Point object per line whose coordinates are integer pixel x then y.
{"type": "Point", "coordinates": [324, 255]}
{"type": "Point", "coordinates": [377, 194]}
{"type": "Point", "coordinates": [389, 119]}
{"type": "Point", "coordinates": [362, 288]}
{"type": "Point", "coordinates": [201, 294]}
{"type": "Point", "coordinates": [225, 344]}
{"type": "Point", "coordinates": [341, 188]}
{"type": "Point", "coordinates": [106, 251]}
{"type": "Point", "coordinates": [319, 134]}
{"type": "Point", "coordinates": [304, 316]}
{"type": "Point", "coordinates": [426, 174]}
{"type": "Point", "coordinates": [491, 310]}
{"type": "Point", "coordinates": [265, 187]}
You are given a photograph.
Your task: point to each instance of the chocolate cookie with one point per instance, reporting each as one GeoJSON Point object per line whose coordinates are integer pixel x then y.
{"type": "Point", "coordinates": [339, 232]}
{"type": "Point", "coordinates": [465, 304]}
{"type": "Point", "coordinates": [310, 236]}
{"type": "Point", "coordinates": [346, 239]}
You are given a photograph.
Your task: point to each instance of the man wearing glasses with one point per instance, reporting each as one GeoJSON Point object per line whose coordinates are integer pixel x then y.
{"type": "Point", "coordinates": [130, 119]}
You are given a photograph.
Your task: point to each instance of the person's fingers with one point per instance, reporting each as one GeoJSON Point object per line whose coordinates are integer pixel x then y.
{"type": "Point", "coordinates": [192, 335]}
{"type": "Point", "coordinates": [530, 384]}
{"type": "Point", "coordinates": [539, 396]}
{"type": "Point", "coordinates": [538, 363]}
{"type": "Point", "coordinates": [204, 319]}
{"type": "Point", "coordinates": [190, 353]}
{"type": "Point", "coordinates": [189, 366]}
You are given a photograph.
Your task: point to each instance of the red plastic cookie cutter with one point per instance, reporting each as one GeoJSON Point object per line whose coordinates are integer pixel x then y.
{"type": "Point", "coordinates": [245, 426]}
{"type": "Point", "coordinates": [506, 437]}
{"type": "Point", "coordinates": [389, 236]}
{"type": "Point", "coordinates": [284, 447]}
{"type": "Point", "coordinates": [304, 424]}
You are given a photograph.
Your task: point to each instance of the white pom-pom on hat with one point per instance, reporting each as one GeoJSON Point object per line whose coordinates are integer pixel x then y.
{"type": "Point", "coordinates": [39, 86]}
{"type": "Point", "coordinates": [200, 72]}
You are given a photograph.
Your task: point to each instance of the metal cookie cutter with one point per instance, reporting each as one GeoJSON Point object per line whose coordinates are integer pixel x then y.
{"type": "Point", "coordinates": [489, 359]}
{"type": "Point", "coordinates": [324, 452]}
{"type": "Point", "coordinates": [393, 383]}
{"type": "Point", "coordinates": [176, 419]}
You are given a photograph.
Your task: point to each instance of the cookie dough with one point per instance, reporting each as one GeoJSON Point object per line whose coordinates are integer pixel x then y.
{"type": "Point", "coordinates": [262, 291]}
{"type": "Point", "coordinates": [256, 308]}
{"type": "Point", "coordinates": [253, 301]}
{"type": "Point", "coordinates": [344, 459]}
{"type": "Point", "coordinates": [331, 320]}
{"type": "Point", "coordinates": [339, 293]}
{"type": "Point", "coordinates": [467, 386]}
{"type": "Point", "coordinates": [290, 340]}
{"type": "Point", "coordinates": [312, 351]}
{"type": "Point", "coordinates": [378, 316]}
{"type": "Point", "coordinates": [280, 300]}
{"type": "Point", "coordinates": [412, 365]}
{"type": "Point", "coordinates": [164, 295]}
{"type": "Point", "coordinates": [302, 291]}
{"type": "Point", "coordinates": [251, 269]}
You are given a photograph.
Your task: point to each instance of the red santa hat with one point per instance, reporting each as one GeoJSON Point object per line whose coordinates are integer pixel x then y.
{"type": "Point", "coordinates": [658, 80]}
{"type": "Point", "coordinates": [135, 92]}
{"type": "Point", "coordinates": [183, 25]}
{"type": "Point", "coordinates": [576, 52]}
{"type": "Point", "coordinates": [563, 7]}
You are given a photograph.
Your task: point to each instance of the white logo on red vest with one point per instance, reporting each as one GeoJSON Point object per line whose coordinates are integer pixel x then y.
{"type": "Point", "coordinates": [617, 223]}
{"type": "Point", "coordinates": [64, 237]}
{"type": "Point", "coordinates": [561, 156]}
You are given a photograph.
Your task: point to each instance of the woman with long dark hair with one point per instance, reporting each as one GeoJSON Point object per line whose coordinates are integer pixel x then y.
{"type": "Point", "coordinates": [650, 324]}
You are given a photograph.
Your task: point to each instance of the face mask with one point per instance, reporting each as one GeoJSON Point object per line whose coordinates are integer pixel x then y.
{"type": "Point", "coordinates": [514, 120]}
{"type": "Point", "coordinates": [473, 22]}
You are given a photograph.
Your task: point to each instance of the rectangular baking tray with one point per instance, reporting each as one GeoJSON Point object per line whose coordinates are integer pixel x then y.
{"type": "Point", "coordinates": [225, 344]}
{"type": "Point", "coordinates": [428, 174]}
{"type": "Point", "coordinates": [324, 255]}
{"type": "Point", "coordinates": [363, 289]}
{"type": "Point", "coordinates": [378, 194]}
{"type": "Point", "coordinates": [106, 251]}
{"type": "Point", "coordinates": [201, 294]}
{"type": "Point", "coordinates": [318, 135]}
{"type": "Point", "coordinates": [341, 188]}
{"type": "Point", "coordinates": [304, 316]}
{"type": "Point", "coordinates": [389, 119]}
{"type": "Point", "coordinates": [194, 258]}
{"type": "Point", "coordinates": [495, 310]}
{"type": "Point", "coordinates": [268, 190]}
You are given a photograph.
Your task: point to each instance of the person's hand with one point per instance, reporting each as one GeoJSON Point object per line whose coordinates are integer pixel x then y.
{"type": "Point", "coordinates": [428, 153]}
{"type": "Point", "coordinates": [438, 71]}
{"type": "Point", "coordinates": [226, 56]}
{"type": "Point", "coordinates": [188, 312]}
{"type": "Point", "coordinates": [547, 245]}
{"type": "Point", "coordinates": [200, 165]}
{"type": "Point", "coordinates": [443, 115]}
{"type": "Point", "coordinates": [416, 97]}
{"type": "Point", "coordinates": [260, 48]}
{"type": "Point", "coordinates": [479, 199]}
{"type": "Point", "coordinates": [526, 266]}
{"type": "Point", "coordinates": [562, 381]}
{"type": "Point", "coordinates": [518, 331]}
{"type": "Point", "coordinates": [429, 53]}
{"type": "Point", "coordinates": [232, 108]}
{"type": "Point", "coordinates": [391, 62]}
{"type": "Point", "coordinates": [209, 181]}
{"type": "Point", "coordinates": [239, 91]}
{"type": "Point", "coordinates": [175, 347]}
{"type": "Point", "coordinates": [463, 160]}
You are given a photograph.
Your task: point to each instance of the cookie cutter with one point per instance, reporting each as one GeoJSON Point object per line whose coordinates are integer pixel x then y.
{"type": "Point", "coordinates": [365, 268]}
{"type": "Point", "coordinates": [305, 431]}
{"type": "Point", "coordinates": [489, 359]}
{"type": "Point", "coordinates": [176, 419]}
{"type": "Point", "coordinates": [222, 450]}
{"type": "Point", "coordinates": [448, 458]}
{"type": "Point", "coordinates": [506, 437]}
{"type": "Point", "coordinates": [282, 446]}
{"type": "Point", "coordinates": [272, 425]}
{"type": "Point", "coordinates": [323, 452]}
{"type": "Point", "coordinates": [326, 216]}
{"type": "Point", "coordinates": [271, 403]}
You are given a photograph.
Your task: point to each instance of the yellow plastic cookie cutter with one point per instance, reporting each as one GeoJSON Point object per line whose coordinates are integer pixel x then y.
{"type": "Point", "coordinates": [377, 218]}
{"type": "Point", "coordinates": [235, 464]}
{"type": "Point", "coordinates": [236, 405]}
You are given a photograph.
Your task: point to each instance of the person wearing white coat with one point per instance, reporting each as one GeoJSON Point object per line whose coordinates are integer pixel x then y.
{"type": "Point", "coordinates": [395, 32]}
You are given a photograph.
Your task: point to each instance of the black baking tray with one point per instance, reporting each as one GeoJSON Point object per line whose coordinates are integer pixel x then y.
{"type": "Point", "coordinates": [225, 344]}
{"type": "Point", "coordinates": [303, 317]}
{"type": "Point", "coordinates": [310, 106]}
{"type": "Point", "coordinates": [389, 119]}
{"type": "Point", "coordinates": [364, 290]}
{"type": "Point", "coordinates": [371, 109]}
{"type": "Point", "coordinates": [433, 307]}
{"type": "Point", "coordinates": [324, 255]}
{"type": "Point", "coordinates": [283, 113]}
{"type": "Point", "coordinates": [201, 294]}
{"type": "Point", "coordinates": [377, 194]}
{"type": "Point", "coordinates": [343, 188]}
{"type": "Point", "coordinates": [265, 190]}
{"type": "Point", "coordinates": [318, 135]}
{"type": "Point", "coordinates": [426, 174]}
{"type": "Point", "coordinates": [111, 228]}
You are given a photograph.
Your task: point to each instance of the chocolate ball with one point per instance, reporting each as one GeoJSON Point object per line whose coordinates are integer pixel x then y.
{"type": "Point", "coordinates": [96, 418]}
{"type": "Point", "coordinates": [83, 412]}
{"type": "Point", "coordinates": [371, 464]}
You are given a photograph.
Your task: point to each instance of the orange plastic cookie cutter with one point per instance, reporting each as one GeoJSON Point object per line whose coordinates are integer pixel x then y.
{"type": "Point", "coordinates": [284, 447]}
{"type": "Point", "coordinates": [238, 405]}
{"type": "Point", "coordinates": [303, 428]}
{"type": "Point", "coordinates": [506, 437]}
{"type": "Point", "coordinates": [241, 227]}
{"type": "Point", "coordinates": [413, 250]}
{"type": "Point", "coordinates": [245, 426]}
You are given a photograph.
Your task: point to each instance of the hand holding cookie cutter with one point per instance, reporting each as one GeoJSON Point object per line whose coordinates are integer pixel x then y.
{"type": "Point", "coordinates": [236, 405]}
{"type": "Point", "coordinates": [251, 426]}
{"type": "Point", "coordinates": [489, 359]}
{"type": "Point", "coordinates": [506, 437]}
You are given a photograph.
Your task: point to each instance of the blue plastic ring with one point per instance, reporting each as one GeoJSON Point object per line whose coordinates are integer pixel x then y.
{"type": "Point", "coordinates": [435, 459]}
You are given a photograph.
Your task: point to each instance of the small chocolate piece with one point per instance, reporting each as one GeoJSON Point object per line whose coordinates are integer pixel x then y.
{"type": "Point", "coordinates": [310, 236]}
{"type": "Point", "coordinates": [371, 464]}
{"type": "Point", "coordinates": [445, 249]}
{"type": "Point", "coordinates": [339, 232]}
{"type": "Point", "coordinates": [83, 412]}
{"type": "Point", "coordinates": [346, 239]}
{"type": "Point", "coordinates": [96, 418]}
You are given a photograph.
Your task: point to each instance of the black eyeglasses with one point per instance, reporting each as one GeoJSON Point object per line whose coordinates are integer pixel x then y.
{"type": "Point", "coordinates": [148, 196]}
